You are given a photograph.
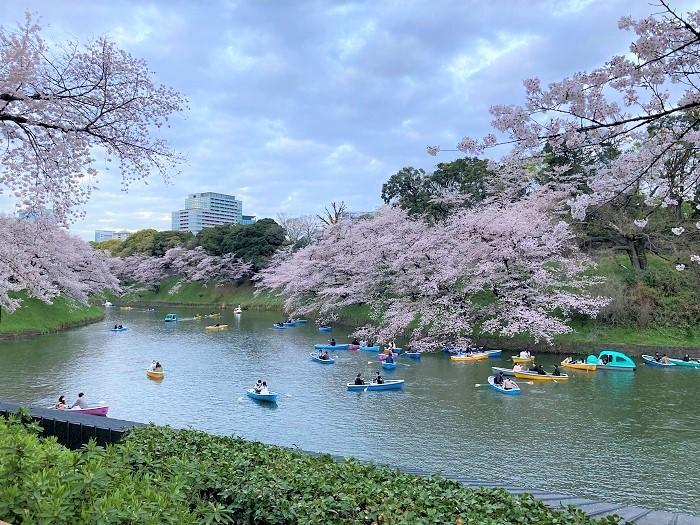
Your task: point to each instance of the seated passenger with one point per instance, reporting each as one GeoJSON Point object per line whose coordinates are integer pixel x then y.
{"type": "Point", "coordinates": [556, 372]}
{"type": "Point", "coordinates": [332, 341]}
{"type": "Point", "coordinates": [355, 342]}
{"type": "Point", "coordinates": [665, 360]}
{"type": "Point", "coordinates": [389, 358]}
{"type": "Point", "coordinates": [524, 354]}
{"type": "Point", "coordinates": [263, 389]}
{"type": "Point", "coordinates": [257, 386]}
{"type": "Point", "coordinates": [686, 358]}
{"type": "Point", "coordinates": [378, 379]}
{"type": "Point", "coordinates": [541, 371]}
{"type": "Point", "coordinates": [61, 402]}
{"type": "Point", "coordinates": [359, 380]}
{"type": "Point", "coordinates": [517, 367]}
{"type": "Point", "coordinates": [509, 384]}
{"type": "Point", "coordinates": [498, 378]}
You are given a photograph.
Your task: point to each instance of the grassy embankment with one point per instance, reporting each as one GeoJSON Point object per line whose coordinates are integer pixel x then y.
{"type": "Point", "coordinates": [36, 317]}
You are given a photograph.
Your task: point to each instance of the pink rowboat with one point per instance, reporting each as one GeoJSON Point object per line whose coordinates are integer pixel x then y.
{"type": "Point", "coordinates": [353, 347]}
{"type": "Point", "coordinates": [93, 409]}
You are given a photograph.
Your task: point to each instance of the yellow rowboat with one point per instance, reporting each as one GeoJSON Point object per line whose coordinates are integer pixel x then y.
{"type": "Point", "coordinates": [538, 377]}
{"type": "Point", "coordinates": [517, 359]}
{"type": "Point", "coordinates": [155, 375]}
{"type": "Point", "coordinates": [125, 307]}
{"type": "Point", "coordinates": [213, 315]}
{"type": "Point", "coordinates": [578, 366]}
{"type": "Point", "coordinates": [214, 327]}
{"type": "Point", "coordinates": [470, 357]}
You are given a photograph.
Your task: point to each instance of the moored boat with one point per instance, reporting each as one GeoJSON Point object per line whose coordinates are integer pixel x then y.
{"type": "Point", "coordinates": [693, 363]}
{"type": "Point", "coordinates": [93, 409]}
{"type": "Point", "coordinates": [500, 389]}
{"type": "Point", "coordinates": [317, 358]}
{"type": "Point", "coordinates": [389, 384]}
{"type": "Point", "coordinates": [526, 374]}
{"type": "Point", "coordinates": [270, 397]}
{"type": "Point", "coordinates": [522, 360]}
{"type": "Point", "coordinates": [650, 361]}
{"type": "Point", "coordinates": [480, 356]}
{"type": "Point", "coordinates": [331, 347]}
{"type": "Point", "coordinates": [216, 327]}
{"type": "Point", "coordinates": [388, 366]}
{"type": "Point", "coordinates": [493, 353]}
{"type": "Point", "coordinates": [152, 374]}
{"type": "Point", "coordinates": [506, 371]}
{"type": "Point", "coordinates": [588, 367]}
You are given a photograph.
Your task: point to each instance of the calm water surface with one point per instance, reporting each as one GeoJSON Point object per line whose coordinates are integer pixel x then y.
{"type": "Point", "coordinates": [627, 437]}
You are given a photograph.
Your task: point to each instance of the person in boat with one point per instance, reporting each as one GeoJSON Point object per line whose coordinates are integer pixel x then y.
{"type": "Point", "coordinates": [355, 342]}
{"type": "Point", "coordinates": [568, 360]}
{"type": "Point", "coordinates": [524, 354]}
{"type": "Point", "coordinates": [263, 389]}
{"type": "Point", "coordinates": [556, 372]}
{"type": "Point", "coordinates": [686, 358]}
{"type": "Point", "coordinates": [533, 368]}
{"type": "Point", "coordinates": [498, 379]}
{"type": "Point", "coordinates": [358, 379]}
{"type": "Point", "coordinates": [509, 384]}
{"type": "Point", "coordinates": [80, 402]}
{"type": "Point", "coordinates": [665, 360]}
{"type": "Point", "coordinates": [517, 367]}
{"type": "Point", "coordinates": [258, 386]}
{"type": "Point", "coordinates": [389, 358]}
{"type": "Point", "coordinates": [378, 379]}
{"type": "Point", "coordinates": [657, 357]}
{"type": "Point", "coordinates": [332, 341]}
{"type": "Point", "coordinates": [325, 356]}
{"type": "Point", "coordinates": [364, 342]}
{"type": "Point", "coordinates": [116, 326]}
{"type": "Point", "coordinates": [61, 402]}
{"type": "Point", "coordinates": [541, 371]}
{"type": "Point", "coordinates": [152, 368]}
{"type": "Point", "coordinates": [158, 368]}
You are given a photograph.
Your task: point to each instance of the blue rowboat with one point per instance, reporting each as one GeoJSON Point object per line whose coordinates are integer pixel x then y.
{"type": "Point", "coordinates": [369, 348]}
{"type": "Point", "coordinates": [324, 328]}
{"type": "Point", "coordinates": [279, 326]}
{"type": "Point", "coordinates": [301, 321]}
{"type": "Point", "coordinates": [122, 329]}
{"type": "Point", "coordinates": [390, 384]}
{"type": "Point", "coordinates": [331, 347]}
{"type": "Point", "coordinates": [493, 353]}
{"type": "Point", "coordinates": [649, 360]}
{"type": "Point", "coordinates": [412, 355]}
{"type": "Point", "coordinates": [388, 366]}
{"type": "Point", "coordinates": [501, 390]}
{"type": "Point", "coordinates": [270, 398]}
{"type": "Point", "coordinates": [329, 361]}
{"type": "Point", "coordinates": [396, 350]}
{"type": "Point", "coordinates": [289, 325]}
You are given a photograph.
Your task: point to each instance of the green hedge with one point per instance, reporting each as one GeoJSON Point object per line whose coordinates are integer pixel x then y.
{"type": "Point", "coordinates": [159, 475]}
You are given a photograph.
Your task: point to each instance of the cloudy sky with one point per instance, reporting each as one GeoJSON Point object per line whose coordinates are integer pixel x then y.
{"type": "Point", "coordinates": [294, 104]}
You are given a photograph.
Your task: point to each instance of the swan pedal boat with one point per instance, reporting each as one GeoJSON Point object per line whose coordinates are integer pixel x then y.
{"type": "Point", "coordinates": [214, 327]}
{"type": "Point", "coordinates": [152, 374]}
{"type": "Point", "coordinates": [649, 360]}
{"type": "Point", "coordinates": [270, 398]}
{"type": "Point", "coordinates": [588, 367]}
{"type": "Point", "coordinates": [388, 366]}
{"type": "Point", "coordinates": [237, 311]}
{"type": "Point", "coordinates": [122, 329]}
{"type": "Point", "coordinates": [389, 384]}
{"type": "Point", "coordinates": [506, 371]}
{"type": "Point", "coordinates": [469, 357]}
{"type": "Point", "coordinates": [93, 409]}
{"type": "Point", "coordinates": [332, 347]}
{"type": "Point", "coordinates": [539, 377]}
{"type": "Point", "coordinates": [500, 389]}
{"type": "Point", "coordinates": [522, 360]}
{"type": "Point", "coordinates": [329, 361]}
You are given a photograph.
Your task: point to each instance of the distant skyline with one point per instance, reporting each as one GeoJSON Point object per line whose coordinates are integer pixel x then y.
{"type": "Point", "coordinates": [296, 104]}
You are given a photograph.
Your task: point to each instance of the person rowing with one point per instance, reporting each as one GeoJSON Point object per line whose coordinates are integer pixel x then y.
{"type": "Point", "coordinates": [665, 360]}
{"type": "Point", "coordinates": [80, 402]}
{"type": "Point", "coordinates": [389, 358]}
{"type": "Point", "coordinates": [498, 379]}
{"type": "Point", "coordinates": [258, 386]}
{"type": "Point", "coordinates": [358, 379]}
{"type": "Point", "coordinates": [332, 341]}
{"type": "Point", "coordinates": [378, 379]}
{"type": "Point", "coordinates": [509, 384]}
{"type": "Point", "coordinates": [556, 372]}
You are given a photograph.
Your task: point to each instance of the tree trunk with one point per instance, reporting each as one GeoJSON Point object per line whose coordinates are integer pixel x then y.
{"type": "Point", "coordinates": [637, 251]}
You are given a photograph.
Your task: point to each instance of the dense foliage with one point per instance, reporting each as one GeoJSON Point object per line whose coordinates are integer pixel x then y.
{"type": "Point", "coordinates": [159, 475]}
{"type": "Point", "coordinates": [254, 243]}
{"type": "Point", "coordinates": [147, 242]}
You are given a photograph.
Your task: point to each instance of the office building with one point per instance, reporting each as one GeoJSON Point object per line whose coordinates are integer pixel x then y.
{"type": "Point", "coordinates": [108, 235]}
{"type": "Point", "coordinates": [204, 210]}
{"type": "Point", "coordinates": [248, 219]}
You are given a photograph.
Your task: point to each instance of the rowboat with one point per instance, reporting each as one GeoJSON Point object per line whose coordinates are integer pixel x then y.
{"type": "Point", "coordinates": [469, 357]}
{"type": "Point", "coordinates": [152, 374]}
{"type": "Point", "coordinates": [493, 353]}
{"type": "Point", "coordinates": [539, 377]}
{"type": "Point", "coordinates": [332, 347]}
{"type": "Point", "coordinates": [389, 384]}
{"type": "Point", "coordinates": [122, 329]}
{"type": "Point", "coordinates": [279, 326]}
{"type": "Point", "coordinates": [612, 360]}
{"type": "Point", "coordinates": [500, 389]}
{"type": "Point", "coordinates": [395, 350]}
{"type": "Point", "coordinates": [506, 371]}
{"type": "Point", "coordinates": [270, 398]}
{"type": "Point", "coordinates": [412, 355]}
{"type": "Point", "coordinates": [216, 327]}
{"type": "Point", "coordinates": [329, 361]}
{"type": "Point", "coordinates": [521, 360]}
{"type": "Point", "coordinates": [353, 347]}
{"type": "Point", "coordinates": [324, 328]}
{"type": "Point", "coordinates": [93, 409]}
{"type": "Point", "coordinates": [693, 363]}
{"type": "Point", "coordinates": [301, 321]}
{"type": "Point", "coordinates": [290, 324]}
{"type": "Point", "coordinates": [170, 318]}
{"type": "Point", "coordinates": [213, 315]}
{"type": "Point", "coordinates": [588, 367]}
{"type": "Point", "coordinates": [369, 348]}
{"type": "Point", "coordinates": [649, 360]}
{"type": "Point", "coordinates": [125, 307]}
{"type": "Point", "coordinates": [388, 366]}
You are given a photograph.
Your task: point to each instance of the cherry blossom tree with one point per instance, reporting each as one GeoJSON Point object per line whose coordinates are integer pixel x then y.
{"type": "Point", "coordinates": [503, 268]}
{"type": "Point", "coordinates": [45, 261]}
{"type": "Point", "coordinates": [63, 107]}
{"type": "Point", "coordinates": [645, 105]}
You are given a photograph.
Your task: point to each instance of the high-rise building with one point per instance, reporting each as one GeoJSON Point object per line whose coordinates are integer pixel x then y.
{"type": "Point", "coordinates": [108, 235]}
{"type": "Point", "coordinates": [204, 210]}
{"type": "Point", "coordinates": [248, 219]}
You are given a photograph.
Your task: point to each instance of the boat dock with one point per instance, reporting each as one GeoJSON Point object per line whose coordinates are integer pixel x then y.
{"type": "Point", "coordinates": [75, 430]}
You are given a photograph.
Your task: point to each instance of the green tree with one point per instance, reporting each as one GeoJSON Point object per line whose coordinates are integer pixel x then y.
{"type": "Point", "coordinates": [113, 246]}
{"type": "Point", "coordinates": [163, 241]}
{"type": "Point", "coordinates": [139, 242]}
{"type": "Point", "coordinates": [254, 243]}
